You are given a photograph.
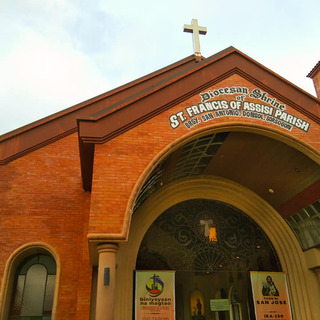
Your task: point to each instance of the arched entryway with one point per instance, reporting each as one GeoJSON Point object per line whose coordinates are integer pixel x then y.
{"type": "Point", "coordinates": [212, 247]}
{"type": "Point", "coordinates": [278, 232]}
{"type": "Point", "coordinates": [222, 167]}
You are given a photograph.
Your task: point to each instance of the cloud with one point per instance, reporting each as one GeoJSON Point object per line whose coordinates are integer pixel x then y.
{"type": "Point", "coordinates": [56, 53]}
{"type": "Point", "coordinates": [43, 76]}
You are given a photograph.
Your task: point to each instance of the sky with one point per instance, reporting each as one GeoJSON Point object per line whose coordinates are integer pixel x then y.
{"type": "Point", "coordinates": [57, 53]}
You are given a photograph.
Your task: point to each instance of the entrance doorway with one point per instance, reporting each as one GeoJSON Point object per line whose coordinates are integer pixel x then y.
{"type": "Point", "coordinates": [212, 246]}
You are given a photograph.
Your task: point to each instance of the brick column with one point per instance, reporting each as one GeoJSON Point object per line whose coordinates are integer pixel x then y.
{"type": "Point", "coordinates": [314, 74]}
{"type": "Point", "coordinates": [106, 281]}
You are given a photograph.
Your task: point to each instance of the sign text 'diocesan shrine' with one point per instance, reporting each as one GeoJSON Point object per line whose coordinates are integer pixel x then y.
{"type": "Point", "coordinates": [265, 109]}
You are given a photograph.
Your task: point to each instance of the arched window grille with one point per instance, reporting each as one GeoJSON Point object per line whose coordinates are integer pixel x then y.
{"type": "Point", "coordinates": [33, 289]}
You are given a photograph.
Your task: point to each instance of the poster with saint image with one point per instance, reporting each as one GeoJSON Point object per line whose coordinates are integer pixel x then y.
{"type": "Point", "coordinates": [155, 296]}
{"type": "Point", "coordinates": [270, 295]}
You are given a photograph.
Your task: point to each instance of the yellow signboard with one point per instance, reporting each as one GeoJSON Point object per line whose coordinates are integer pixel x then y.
{"type": "Point", "coordinates": [270, 295]}
{"type": "Point", "coordinates": [155, 295]}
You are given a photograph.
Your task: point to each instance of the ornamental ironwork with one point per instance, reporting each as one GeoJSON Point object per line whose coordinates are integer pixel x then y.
{"type": "Point", "coordinates": [206, 236]}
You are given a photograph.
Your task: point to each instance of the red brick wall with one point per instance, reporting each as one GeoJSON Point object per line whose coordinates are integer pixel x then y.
{"type": "Point", "coordinates": [119, 163]}
{"type": "Point", "coordinates": [42, 200]}
{"type": "Point", "coordinates": [42, 197]}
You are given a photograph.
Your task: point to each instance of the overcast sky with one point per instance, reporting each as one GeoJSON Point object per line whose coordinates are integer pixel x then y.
{"type": "Point", "coordinates": [57, 53]}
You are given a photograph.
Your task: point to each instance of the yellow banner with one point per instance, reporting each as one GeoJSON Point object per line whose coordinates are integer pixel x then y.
{"type": "Point", "coordinates": [155, 295]}
{"type": "Point", "coordinates": [270, 295]}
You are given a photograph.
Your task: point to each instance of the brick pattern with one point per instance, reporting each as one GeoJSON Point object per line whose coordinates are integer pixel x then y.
{"type": "Point", "coordinates": [316, 82]}
{"type": "Point", "coordinates": [120, 162]}
{"type": "Point", "coordinates": [42, 200]}
{"type": "Point", "coordinates": [42, 197]}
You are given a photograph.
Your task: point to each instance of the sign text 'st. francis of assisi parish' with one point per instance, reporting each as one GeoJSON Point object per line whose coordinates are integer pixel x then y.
{"type": "Point", "coordinates": [265, 109]}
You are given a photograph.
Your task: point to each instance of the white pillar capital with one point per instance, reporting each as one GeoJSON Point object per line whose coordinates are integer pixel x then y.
{"type": "Point", "coordinates": [107, 247]}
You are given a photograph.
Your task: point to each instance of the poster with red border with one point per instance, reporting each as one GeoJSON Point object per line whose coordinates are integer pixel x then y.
{"type": "Point", "coordinates": [155, 295]}
{"type": "Point", "coordinates": [270, 295]}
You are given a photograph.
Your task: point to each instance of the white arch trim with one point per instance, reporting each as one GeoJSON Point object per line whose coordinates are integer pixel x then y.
{"type": "Point", "coordinates": [301, 280]}
{"type": "Point", "coordinates": [14, 260]}
{"type": "Point", "coordinates": [284, 137]}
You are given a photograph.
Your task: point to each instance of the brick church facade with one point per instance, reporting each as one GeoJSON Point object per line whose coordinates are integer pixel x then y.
{"type": "Point", "coordinates": [82, 192]}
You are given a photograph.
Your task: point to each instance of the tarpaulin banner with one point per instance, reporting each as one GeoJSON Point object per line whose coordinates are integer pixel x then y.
{"type": "Point", "coordinates": [155, 295]}
{"type": "Point", "coordinates": [270, 295]}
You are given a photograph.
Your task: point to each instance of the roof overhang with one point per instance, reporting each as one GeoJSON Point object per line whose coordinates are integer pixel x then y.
{"type": "Point", "coordinates": [115, 119]}
{"type": "Point", "coordinates": [104, 117]}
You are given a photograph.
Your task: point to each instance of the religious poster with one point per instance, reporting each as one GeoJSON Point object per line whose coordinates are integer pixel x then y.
{"type": "Point", "coordinates": [270, 295]}
{"type": "Point", "coordinates": [197, 305]}
{"type": "Point", "coordinates": [155, 295]}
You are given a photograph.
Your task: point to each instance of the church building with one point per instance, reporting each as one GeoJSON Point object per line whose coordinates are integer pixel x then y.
{"type": "Point", "coordinates": [200, 181]}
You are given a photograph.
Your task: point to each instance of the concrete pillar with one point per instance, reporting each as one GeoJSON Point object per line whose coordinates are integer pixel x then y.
{"type": "Point", "coordinates": [317, 270]}
{"type": "Point", "coordinates": [106, 281]}
{"type": "Point", "coordinates": [312, 257]}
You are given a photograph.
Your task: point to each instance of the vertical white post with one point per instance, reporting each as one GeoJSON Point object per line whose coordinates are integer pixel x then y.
{"type": "Point", "coordinates": [106, 281]}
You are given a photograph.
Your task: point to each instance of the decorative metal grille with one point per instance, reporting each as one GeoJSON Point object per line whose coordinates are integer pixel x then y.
{"type": "Point", "coordinates": [152, 184]}
{"type": "Point", "coordinates": [195, 157]}
{"type": "Point", "coordinates": [177, 240]}
{"type": "Point", "coordinates": [197, 154]}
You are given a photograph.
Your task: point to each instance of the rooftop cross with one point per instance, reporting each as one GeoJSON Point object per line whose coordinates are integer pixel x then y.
{"type": "Point", "coordinates": [196, 30]}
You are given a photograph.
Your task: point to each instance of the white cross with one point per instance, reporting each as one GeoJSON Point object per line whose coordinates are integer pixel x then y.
{"type": "Point", "coordinates": [196, 30]}
{"type": "Point", "coordinates": [207, 224]}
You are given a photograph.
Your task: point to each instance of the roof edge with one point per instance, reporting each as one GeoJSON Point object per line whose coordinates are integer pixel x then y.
{"type": "Point", "coordinates": [101, 96]}
{"type": "Point", "coordinates": [314, 71]}
{"type": "Point", "coordinates": [28, 138]}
